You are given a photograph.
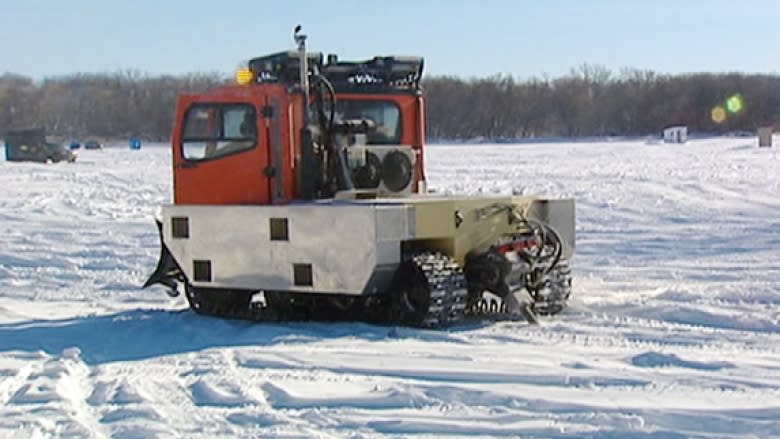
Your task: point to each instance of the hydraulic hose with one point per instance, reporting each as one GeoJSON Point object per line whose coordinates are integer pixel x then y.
{"type": "Point", "coordinates": [341, 171]}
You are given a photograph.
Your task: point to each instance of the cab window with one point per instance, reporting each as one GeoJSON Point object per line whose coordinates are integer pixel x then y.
{"type": "Point", "coordinates": [216, 130]}
{"type": "Point", "coordinates": [385, 114]}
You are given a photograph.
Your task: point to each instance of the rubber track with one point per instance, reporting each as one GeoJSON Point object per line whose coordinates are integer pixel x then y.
{"type": "Point", "coordinates": [558, 290]}
{"type": "Point", "coordinates": [447, 286]}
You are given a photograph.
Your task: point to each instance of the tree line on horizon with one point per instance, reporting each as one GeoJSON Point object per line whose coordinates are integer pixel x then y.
{"type": "Point", "coordinates": [589, 101]}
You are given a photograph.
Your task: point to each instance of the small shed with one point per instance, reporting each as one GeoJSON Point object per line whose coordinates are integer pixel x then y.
{"type": "Point", "coordinates": [765, 136]}
{"type": "Point", "coordinates": [676, 134]}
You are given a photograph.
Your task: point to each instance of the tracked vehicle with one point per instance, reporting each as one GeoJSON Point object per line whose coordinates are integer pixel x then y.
{"type": "Point", "coordinates": [300, 193]}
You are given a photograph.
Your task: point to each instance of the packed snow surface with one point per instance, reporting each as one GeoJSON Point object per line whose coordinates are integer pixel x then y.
{"type": "Point", "coordinates": [673, 329]}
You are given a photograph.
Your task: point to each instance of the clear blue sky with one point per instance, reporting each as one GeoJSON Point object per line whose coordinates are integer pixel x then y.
{"type": "Point", "coordinates": [460, 37]}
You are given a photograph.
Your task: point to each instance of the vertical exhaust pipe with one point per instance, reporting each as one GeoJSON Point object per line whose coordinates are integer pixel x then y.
{"type": "Point", "coordinates": [307, 169]}
{"type": "Point", "coordinates": [300, 40]}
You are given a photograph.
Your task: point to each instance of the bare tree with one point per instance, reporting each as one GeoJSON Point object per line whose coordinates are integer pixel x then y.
{"type": "Point", "coordinates": [589, 101]}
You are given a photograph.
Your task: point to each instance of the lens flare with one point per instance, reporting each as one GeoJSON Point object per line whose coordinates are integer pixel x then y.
{"type": "Point", "coordinates": [734, 104]}
{"type": "Point", "coordinates": [718, 114]}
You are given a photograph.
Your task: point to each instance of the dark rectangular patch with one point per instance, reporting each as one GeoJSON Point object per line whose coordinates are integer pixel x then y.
{"type": "Point", "coordinates": [180, 227]}
{"type": "Point", "coordinates": [201, 270]}
{"type": "Point", "coordinates": [279, 229]}
{"type": "Point", "coordinates": [302, 276]}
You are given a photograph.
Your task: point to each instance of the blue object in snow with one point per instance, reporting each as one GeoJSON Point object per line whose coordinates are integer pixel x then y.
{"type": "Point", "coordinates": [135, 143]}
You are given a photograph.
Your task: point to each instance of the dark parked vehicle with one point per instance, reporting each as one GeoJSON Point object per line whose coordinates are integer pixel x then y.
{"type": "Point", "coordinates": [92, 144]}
{"type": "Point", "coordinates": [31, 145]}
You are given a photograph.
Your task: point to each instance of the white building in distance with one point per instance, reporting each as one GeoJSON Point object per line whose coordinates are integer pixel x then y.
{"type": "Point", "coordinates": [676, 134]}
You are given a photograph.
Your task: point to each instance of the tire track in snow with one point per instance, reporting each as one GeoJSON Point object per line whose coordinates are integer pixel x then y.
{"type": "Point", "coordinates": [57, 388]}
{"type": "Point", "coordinates": [13, 381]}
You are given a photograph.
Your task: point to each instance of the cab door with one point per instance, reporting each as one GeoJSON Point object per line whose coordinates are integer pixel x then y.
{"type": "Point", "coordinates": [219, 151]}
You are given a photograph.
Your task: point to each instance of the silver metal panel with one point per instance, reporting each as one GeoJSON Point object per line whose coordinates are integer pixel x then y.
{"type": "Point", "coordinates": [392, 223]}
{"type": "Point", "coordinates": [388, 252]}
{"type": "Point", "coordinates": [341, 241]}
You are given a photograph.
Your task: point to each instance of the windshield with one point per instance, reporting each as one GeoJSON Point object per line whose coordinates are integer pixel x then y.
{"type": "Point", "coordinates": [213, 130]}
{"type": "Point", "coordinates": [385, 114]}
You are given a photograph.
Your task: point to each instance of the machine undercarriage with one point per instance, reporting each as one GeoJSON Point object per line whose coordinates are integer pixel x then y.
{"type": "Point", "coordinates": [432, 292]}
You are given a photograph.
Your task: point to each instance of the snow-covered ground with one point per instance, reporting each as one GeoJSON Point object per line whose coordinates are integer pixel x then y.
{"type": "Point", "coordinates": [673, 330]}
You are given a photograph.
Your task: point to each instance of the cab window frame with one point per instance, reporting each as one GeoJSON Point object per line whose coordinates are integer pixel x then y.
{"type": "Point", "coordinates": [221, 143]}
